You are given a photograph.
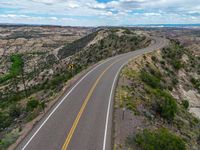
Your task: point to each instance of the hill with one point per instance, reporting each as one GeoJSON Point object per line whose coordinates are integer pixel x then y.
{"type": "Point", "coordinates": [160, 93]}
{"type": "Point", "coordinates": [34, 71]}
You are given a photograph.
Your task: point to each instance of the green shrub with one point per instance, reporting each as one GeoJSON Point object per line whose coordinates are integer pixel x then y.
{"type": "Point", "coordinates": [5, 78]}
{"type": "Point", "coordinates": [185, 104]}
{"type": "Point", "coordinates": [162, 62]}
{"type": "Point", "coordinates": [16, 68]}
{"type": "Point", "coordinates": [127, 31]}
{"type": "Point", "coordinates": [155, 73]}
{"type": "Point", "coordinates": [160, 139]}
{"type": "Point", "coordinates": [174, 81]}
{"type": "Point", "coordinates": [8, 139]}
{"type": "Point", "coordinates": [154, 58]}
{"type": "Point", "coordinates": [31, 115]}
{"type": "Point", "coordinates": [198, 139]}
{"type": "Point", "coordinates": [59, 79]}
{"type": "Point", "coordinates": [149, 79]}
{"type": "Point", "coordinates": [5, 120]}
{"type": "Point", "coordinates": [43, 105]}
{"type": "Point", "coordinates": [14, 111]}
{"type": "Point", "coordinates": [196, 83]}
{"type": "Point", "coordinates": [177, 64]}
{"type": "Point", "coordinates": [170, 88]}
{"type": "Point", "coordinates": [193, 81]}
{"type": "Point", "coordinates": [17, 64]}
{"type": "Point", "coordinates": [32, 104]}
{"type": "Point", "coordinates": [167, 106]}
{"type": "Point", "coordinates": [173, 55]}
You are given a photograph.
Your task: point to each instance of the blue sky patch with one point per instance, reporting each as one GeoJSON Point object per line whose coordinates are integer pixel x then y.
{"type": "Point", "coordinates": [99, 12]}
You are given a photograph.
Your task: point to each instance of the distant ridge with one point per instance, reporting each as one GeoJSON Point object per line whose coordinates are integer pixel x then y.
{"type": "Point", "coordinates": [22, 25]}
{"type": "Point", "coordinates": [165, 25]}
{"type": "Point", "coordinates": [197, 25]}
{"type": "Point", "coordinates": [36, 25]}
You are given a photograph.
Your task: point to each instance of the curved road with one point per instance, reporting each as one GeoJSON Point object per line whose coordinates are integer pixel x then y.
{"type": "Point", "coordinates": [82, 119]}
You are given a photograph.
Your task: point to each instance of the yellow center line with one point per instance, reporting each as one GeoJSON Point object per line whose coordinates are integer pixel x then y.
{"type": "Point", "coordinates": [69, 136]}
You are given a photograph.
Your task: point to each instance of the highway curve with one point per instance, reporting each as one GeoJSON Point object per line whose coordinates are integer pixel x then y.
{"type": "Point", "coordinates": [82, 119]}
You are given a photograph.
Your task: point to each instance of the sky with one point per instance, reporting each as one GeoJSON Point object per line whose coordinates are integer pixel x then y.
{"type": "Point", "coordinates": [100, 12]}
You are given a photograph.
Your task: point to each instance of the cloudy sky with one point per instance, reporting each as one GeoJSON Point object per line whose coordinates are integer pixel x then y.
{"type": "Point", "coordinates": [99, 12]}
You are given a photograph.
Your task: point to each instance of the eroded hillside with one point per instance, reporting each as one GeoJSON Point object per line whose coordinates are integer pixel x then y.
{"type": "Point", "coordinates": [161, 97]}
{"type": "Point", "coordinates": [31, 80]}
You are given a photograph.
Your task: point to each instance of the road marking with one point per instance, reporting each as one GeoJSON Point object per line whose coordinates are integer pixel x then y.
{"type": "Point", "coordinates": [69, 136]}
{"type": "Point", "coordinates": [62, 102]}
{"type": "Point", "coordinates": [111, 94]}
{"type": "Point", "coordinates": [31, 138]}
{"type": "Point", "coordinates": [113, 88]}
{"type": "Point", "coordinates": [109, 104]}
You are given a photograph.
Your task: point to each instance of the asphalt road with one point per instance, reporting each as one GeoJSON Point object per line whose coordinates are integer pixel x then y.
{"type": "Point", "coordinates": [82, 119]}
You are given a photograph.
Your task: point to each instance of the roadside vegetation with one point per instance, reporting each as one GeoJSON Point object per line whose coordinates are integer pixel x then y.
{"type": "Point", "coordinates": [160, 139]}
{"type": "Point", "coordinates": [146, 88]}
{"type": "Point", "coordinates": [33, 79]}
{"type": "Point", "coordinates": [16, 68]}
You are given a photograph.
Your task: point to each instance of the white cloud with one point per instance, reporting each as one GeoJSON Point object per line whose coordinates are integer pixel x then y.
{"type": "Point", "coordinates": [72, 4]}
{"type": "Point", "coordinates": [152, 14]}
{"type": "Point", "coordinates": [97, 5]}
{"type": "Point", "coordinates": [91, 12]}
{"type": "Point", "coordinates": [49, 2]}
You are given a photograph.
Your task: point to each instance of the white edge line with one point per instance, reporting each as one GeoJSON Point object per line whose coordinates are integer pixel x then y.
{"type": "Point", "coordinates": [108, 109]}
{"type": "Point", "coordinates": [109, 104]}
{"type": "Point", "coordinates": [62, 102]}
{"type": "Point", "coordinates": [111, 94]}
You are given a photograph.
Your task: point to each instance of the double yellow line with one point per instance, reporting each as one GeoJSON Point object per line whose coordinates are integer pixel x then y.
{"type": "Point", "coordinates": [76, 121]}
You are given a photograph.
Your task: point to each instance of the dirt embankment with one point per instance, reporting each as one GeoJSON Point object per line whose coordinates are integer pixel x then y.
{"type": "Point", "coordinates": [147, 86]}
